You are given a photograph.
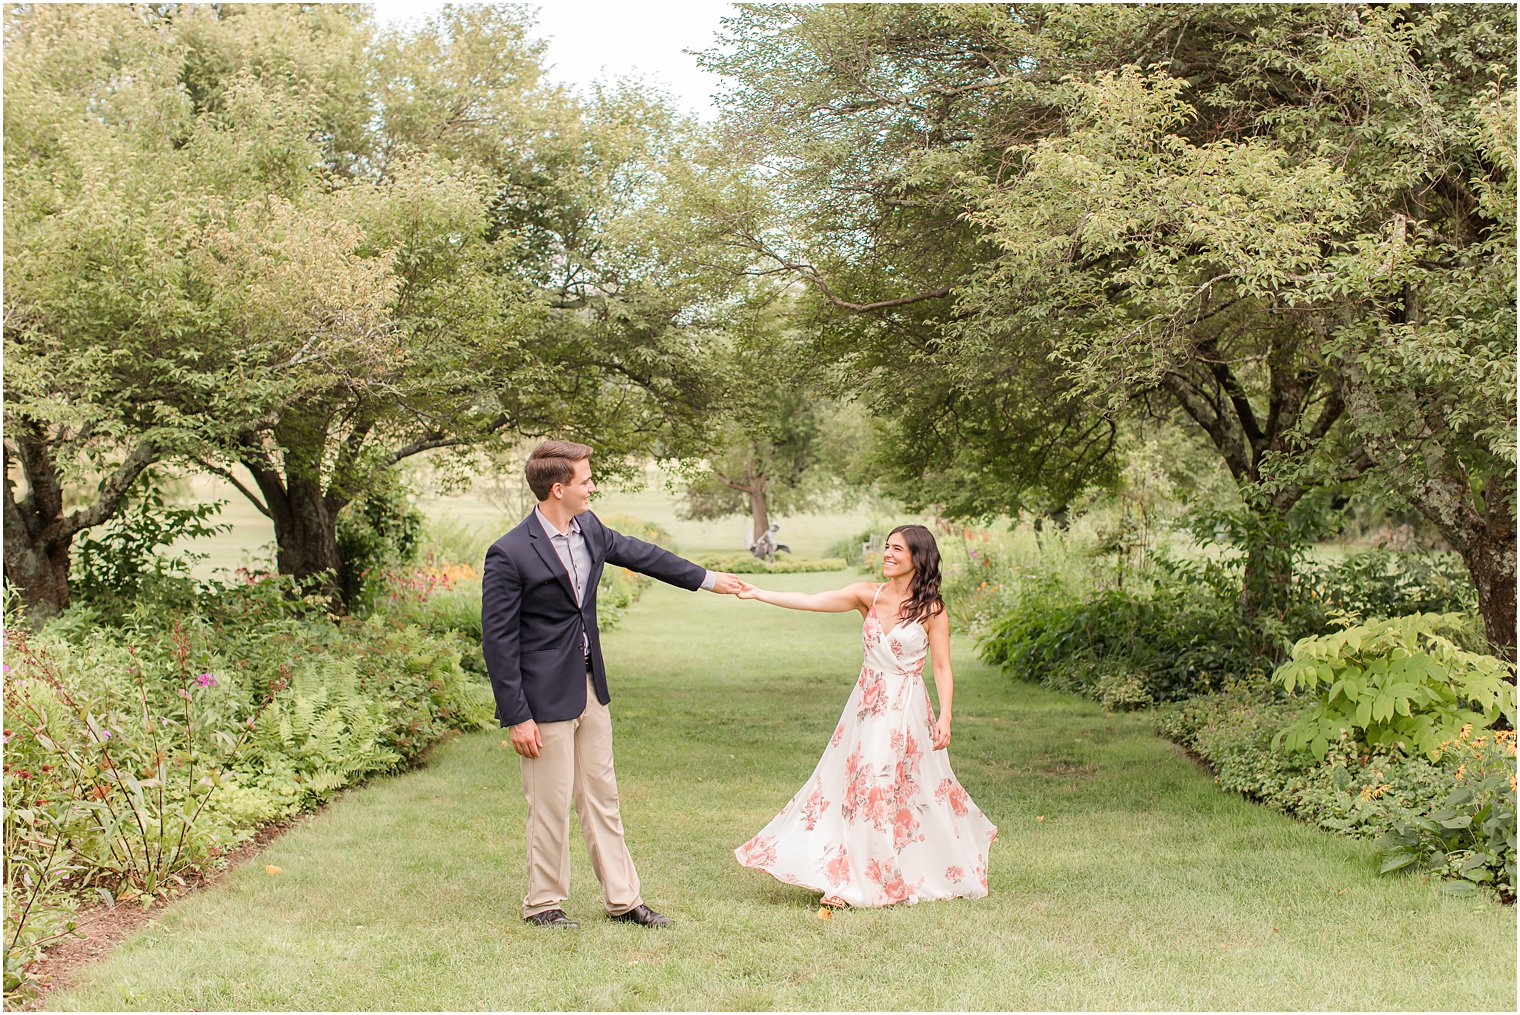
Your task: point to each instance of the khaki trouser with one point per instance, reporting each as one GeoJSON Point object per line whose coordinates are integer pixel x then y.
{"type": "Point", "coordinates": [575, 765]}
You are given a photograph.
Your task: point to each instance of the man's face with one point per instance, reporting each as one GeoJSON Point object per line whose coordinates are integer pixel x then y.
{"type": "Point", "coordinates": [577, 493]}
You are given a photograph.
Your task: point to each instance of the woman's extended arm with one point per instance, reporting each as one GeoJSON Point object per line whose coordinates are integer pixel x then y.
{"type": "Point", "coordinates": [944, 682]}
{"type": "Point", "coordinates": [852, 597]}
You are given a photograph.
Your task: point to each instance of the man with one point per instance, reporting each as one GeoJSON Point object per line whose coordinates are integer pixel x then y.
{"type": "Point", "coordinates": [544, 657]}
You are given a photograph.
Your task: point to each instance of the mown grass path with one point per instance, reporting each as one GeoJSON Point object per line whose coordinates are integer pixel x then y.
{"type": "Point", "coordinates": [1143, 887]}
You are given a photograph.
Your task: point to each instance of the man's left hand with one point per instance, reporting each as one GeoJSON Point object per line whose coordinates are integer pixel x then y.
{"type": "Point", "coordinates": [727, 584]}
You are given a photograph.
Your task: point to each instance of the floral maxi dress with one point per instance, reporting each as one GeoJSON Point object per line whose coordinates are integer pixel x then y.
{"type": "Point", "coordinates": [882, 819]}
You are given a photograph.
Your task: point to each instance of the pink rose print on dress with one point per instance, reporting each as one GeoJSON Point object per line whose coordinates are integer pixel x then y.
{"type": "Point", "coordinates": [852, 763]}
{"type": "Point", "coordinates": [954, 874]}
{"type": "Point", "coordinates": [878, 808]}
{"type": "Point", "coordinates": [760, 851]}
{"type": "Point", "coordinates": [838, 735]}
{"type": "Point", "coordinates": [838, 868]}
{"type": "Point", "coordinates": [873, 700]}
{"type": "Point", "coordinates": [904, 828]}
{"type": "Point", "coordinates": [855, 789]}
{"type": "Point", "coordinates": [813, 809]}
{"type": "Point", "coordinates": [894, 888]}
{"type": "Point", "coordinates": [896, 647]}
{"type": "Point", "coordinates": [950, 790]}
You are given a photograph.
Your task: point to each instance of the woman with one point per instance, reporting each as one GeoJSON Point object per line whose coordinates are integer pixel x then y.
{"type": "Point", "coordinates": [881, 820]}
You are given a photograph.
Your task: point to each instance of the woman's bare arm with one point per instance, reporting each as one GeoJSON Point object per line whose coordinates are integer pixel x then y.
{"type": "Point", "coordinates": [944, 681]}
{"type": "Point", "coordinates": [854, 596]}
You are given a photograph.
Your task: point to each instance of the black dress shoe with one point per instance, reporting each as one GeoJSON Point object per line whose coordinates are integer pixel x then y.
{"type": "Point", "coordinates": [644, 917]}
{"type": "Point", "coordinates": [551, 918]}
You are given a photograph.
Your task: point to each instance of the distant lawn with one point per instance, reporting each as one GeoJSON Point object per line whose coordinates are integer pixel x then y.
{"type": "Point", "coordinates": [808, 535]}
{"type": "Point", "coordinates": [1144, 887]}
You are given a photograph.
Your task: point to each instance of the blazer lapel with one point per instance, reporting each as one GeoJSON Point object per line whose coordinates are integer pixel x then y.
{"type": "Point", "coordinates": [546, 551]}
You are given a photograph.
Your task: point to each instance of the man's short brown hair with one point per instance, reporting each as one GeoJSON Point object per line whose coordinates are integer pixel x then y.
{"type": "Point", "coordinates": [553, 462]}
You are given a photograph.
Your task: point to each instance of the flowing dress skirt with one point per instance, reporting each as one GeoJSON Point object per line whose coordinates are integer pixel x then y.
{"type": "Point", "coordinates": [882, 819]}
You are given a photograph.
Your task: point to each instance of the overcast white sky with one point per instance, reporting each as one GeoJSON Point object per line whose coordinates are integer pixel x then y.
{"type": "Point", "coordinates": [592, 40]}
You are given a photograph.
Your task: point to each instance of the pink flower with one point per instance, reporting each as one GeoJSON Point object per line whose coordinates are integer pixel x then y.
{"type": "Point", "coordinates": [904, 825]}
{"type": "Point", "coordinates": [759, 852]}
{"type": "Point", "coordinates": [874, 700]}
{"type": "Point", "coordinates": [952, 791]}
{"type": "Point", "coordinates": [814, 808]}
{"type": "Point", "coordinates": [838, 868]}
{"type": "Point", "coordinates": [954, 873]}
{"type": "Point", "coordinates": [206, 680]}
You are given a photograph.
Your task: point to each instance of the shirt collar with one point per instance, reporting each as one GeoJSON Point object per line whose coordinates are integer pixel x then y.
{"type": "Point", "coordinates": [575, 525]}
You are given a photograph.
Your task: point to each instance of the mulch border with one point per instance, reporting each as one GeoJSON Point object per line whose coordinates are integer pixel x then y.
{"type": "Point", "coordinates": [101, 927]}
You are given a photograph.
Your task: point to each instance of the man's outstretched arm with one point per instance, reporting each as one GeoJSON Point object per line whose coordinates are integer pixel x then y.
{"type": "Point", "coordinates": [658, 562]}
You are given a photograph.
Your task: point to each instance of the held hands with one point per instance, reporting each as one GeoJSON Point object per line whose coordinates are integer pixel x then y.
{"type": "Point", "coordinates": [748, 591]}
{"type": "Point", "coordinates": [727, 584]}
{"type": "Point", "coordinates": [526, 740]}
{"type": "Point", "coordinates": [942, 733]}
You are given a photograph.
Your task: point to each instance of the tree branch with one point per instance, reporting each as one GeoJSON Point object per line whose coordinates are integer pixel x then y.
{"type": "Point", "coordinates": [111, 493]}
{"type": "Point", "coordinates": [226, 474]}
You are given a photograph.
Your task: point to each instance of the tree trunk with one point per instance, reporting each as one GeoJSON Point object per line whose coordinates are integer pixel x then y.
{"type": "Point", "coordinates": [1492, 563]}
{"type": "Point", "coordinates": [38, 535]}
{"type": "Point", "coordinates": [37, 569]}
{"type": "Point", "coordinates": [306, 545]}
{"type": "Point", "coordinates": [758, 509]}
{"type": "Point", "coordinates": [1437, 480]}
{"type": "Point", "coordinates": [305, 523]}
{"type": "Point", "coordinates": [1216, 399]}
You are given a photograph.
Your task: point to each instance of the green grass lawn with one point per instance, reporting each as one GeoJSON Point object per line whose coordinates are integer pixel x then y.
{"type": "Point", "coordinates": [1144, 887]}
{"type": "Point", "coordinates": [251, 535]}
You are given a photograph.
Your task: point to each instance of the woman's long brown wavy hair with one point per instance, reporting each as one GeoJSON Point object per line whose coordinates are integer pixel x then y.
{"type": "Point", "coordinates": [924, 600]}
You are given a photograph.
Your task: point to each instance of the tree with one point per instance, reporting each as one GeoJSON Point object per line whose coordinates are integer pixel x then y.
{"type": "Point", "coordinates": [514, 311]}
{"type": "Point", "coordinates": [108, 341]}
{"type": "Point", "coordinates": [263, 235]}
{"type": "Point", "coordinates": [1179, 207]}
{"type": "Point", "coordinates": [780, 443]}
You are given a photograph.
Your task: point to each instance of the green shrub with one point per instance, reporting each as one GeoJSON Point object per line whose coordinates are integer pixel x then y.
{"type": "Point", "coordinates": [1394, 683]}
{"type": "Point", "coordinates": [851, 549]}
{"type": "Point", "coordinates": [1171, 643]}
{"type": "Point", "coordinates": [141, 750]}
{"type": "Point", "coordinates": [1353, 790]}
{"type": "Point", "coordinates": [376, 534]}
{"type": "Point", "coordinates": [1453, 815]}
{"type": "Point", "coordinates": [973, 589]}
{"type": "Point", "coordinates": [638, 528]}
{"type": "Point", "coordinates": [743, 563]}
{"type": "Point", "coordinates": [1384, 583]}
{"type": "Point", "coordinates": [122, 561]}
{"type": "Point", "coordinates": [449, 540]}
{"type": "Point", "coordinates": [108, 772]}
{"type": "Point", "coordinates": [1469, 840]}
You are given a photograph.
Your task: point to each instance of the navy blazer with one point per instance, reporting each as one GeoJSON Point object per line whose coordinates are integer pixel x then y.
{"type": "Point", "coordinates": [531, 629]}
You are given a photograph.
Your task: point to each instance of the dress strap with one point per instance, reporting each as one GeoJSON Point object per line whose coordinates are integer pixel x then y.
{"type": "Point", "coordinates": [878, 594]}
